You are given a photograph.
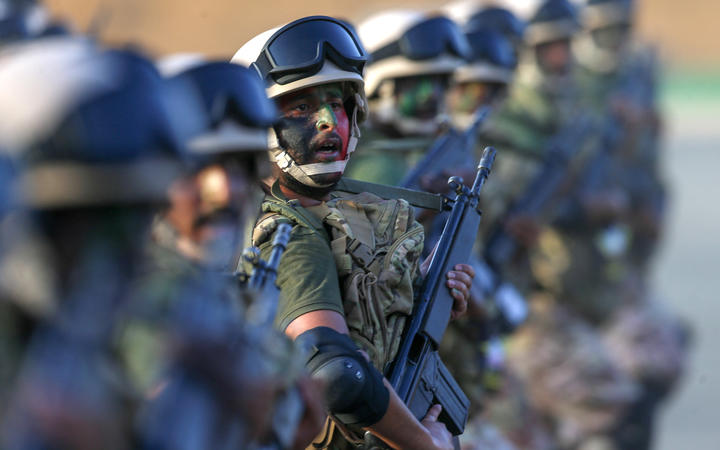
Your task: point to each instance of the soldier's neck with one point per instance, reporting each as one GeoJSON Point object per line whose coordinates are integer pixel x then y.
{"type": "Point", "coordinates": [303, 199]}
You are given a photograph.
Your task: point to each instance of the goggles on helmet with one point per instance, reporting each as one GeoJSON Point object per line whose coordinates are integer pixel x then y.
{"type": "Point", "coordinates": [493, 48]}
{"type": "Point", "coordinates": [299, 49]}
{"type": "Point", "coordinates": [428, 39]}
{"type": "Point", "coordinates": [496, 19]}
{"type": "Point", "coordinates": [229, 91]}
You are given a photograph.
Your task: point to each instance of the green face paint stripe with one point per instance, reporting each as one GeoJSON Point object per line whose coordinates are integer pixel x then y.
{"type": "Point", "coordinates": [327, 115]}
{"type": "Point", "coordinates": [425, 90]}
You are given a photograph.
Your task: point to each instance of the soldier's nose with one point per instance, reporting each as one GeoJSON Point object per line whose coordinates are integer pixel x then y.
{"type": "Point", "coordinates": [326, 119]}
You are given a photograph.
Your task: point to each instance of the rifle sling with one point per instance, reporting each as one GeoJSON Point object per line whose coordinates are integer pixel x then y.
{"type": "Point", "coordinates": [419, 199]}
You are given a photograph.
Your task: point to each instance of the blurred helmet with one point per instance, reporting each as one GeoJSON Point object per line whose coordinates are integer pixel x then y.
{"type": "Point", "coordinates": [492, 59]}
{"type": "Point", "coordinates": [554, 20]}
{"type": "Point", "coordinates": [406, 43]}
{"type": "Point", "coordinates": [89, 127]}
{"type": "Point", "coordinates": [26, 19]}
{"type": "Point", "coordinates": [237, 111]}
{"type": "Point", "coordinates": [606, 13]}
{"type": "Point", "coordinates": [499, 20]}
{"type": "Point", "coordinates": [309, 52]}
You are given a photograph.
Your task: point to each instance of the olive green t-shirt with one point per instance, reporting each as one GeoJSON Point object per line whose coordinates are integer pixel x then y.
{"type": "Point", "coordinates": [307, 276]}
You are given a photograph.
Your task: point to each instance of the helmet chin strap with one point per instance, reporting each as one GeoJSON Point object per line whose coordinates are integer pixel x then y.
{"type": "Point", "coordinates": [303, 172]}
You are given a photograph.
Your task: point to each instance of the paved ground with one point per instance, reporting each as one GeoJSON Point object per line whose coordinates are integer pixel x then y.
{"type": "Point", "coordinates": [688, 272]}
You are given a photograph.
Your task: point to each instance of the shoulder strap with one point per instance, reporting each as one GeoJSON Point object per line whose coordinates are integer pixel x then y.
{"type": "Point", "coordinates": [276, 211]}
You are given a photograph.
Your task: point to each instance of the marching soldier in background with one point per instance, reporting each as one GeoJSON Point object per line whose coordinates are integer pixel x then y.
{"type": "Point", "coordinates": [483, 81]}
{"type": "Point", "coordinates": [620, 77]}
{"type": "Point", "coordinates": [194, 245]}
{"type": "Point", "coordinates": [407, 79]}
{"type": "Point", "coordinates": [96, 157]}
{"type": "Point", "coordinates": [568, 374]}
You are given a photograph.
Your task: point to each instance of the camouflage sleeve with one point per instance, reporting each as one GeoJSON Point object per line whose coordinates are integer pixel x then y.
{"type": "Point", "coordinates": [307, 277]}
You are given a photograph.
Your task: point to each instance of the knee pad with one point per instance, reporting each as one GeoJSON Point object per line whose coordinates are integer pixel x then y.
{"type": "Point", "coordinates": [355, 393]}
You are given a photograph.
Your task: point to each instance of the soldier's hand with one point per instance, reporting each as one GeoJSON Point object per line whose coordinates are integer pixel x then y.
{"type": "Point", "coordinates": [441, 437]}
{"type": "Point", "coordinates": [460, 282]}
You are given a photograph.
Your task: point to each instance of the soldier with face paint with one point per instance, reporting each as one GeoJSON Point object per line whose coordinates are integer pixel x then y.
{"type": "Point", "coordinates": [336, 301]}
{"type": "Point", "coordinates": [412, 58]}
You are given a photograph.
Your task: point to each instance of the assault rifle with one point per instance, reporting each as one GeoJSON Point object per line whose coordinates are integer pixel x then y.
{"type": "Point", "coordinates": [261, 281]}
{"type": "Point", "coordinates": [215, 358]}
{"type": "Point", "coordinates": [501, 246]}
{"type": "Point", "coordinates": [452, 149]}
{"type": "Point", "coordinates": [417, 374]}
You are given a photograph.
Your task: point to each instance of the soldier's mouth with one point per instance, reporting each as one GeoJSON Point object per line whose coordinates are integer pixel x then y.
{"type": "Point", "coordinates": [328, 150]}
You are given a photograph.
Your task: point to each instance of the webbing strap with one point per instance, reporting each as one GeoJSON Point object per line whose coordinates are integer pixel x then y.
{"type": "Point", "coordinates": [420, 199]}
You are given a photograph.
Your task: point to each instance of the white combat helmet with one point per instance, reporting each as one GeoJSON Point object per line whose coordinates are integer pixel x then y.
{"type": "Point", "coordinates": [404, 43]}
{"type": "Point", "coordinates": [309, 52]}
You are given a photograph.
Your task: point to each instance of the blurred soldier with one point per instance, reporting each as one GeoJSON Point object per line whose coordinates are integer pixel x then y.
{"type": "Point", "coordinates": [216, 361]}
{"type": "Point", "coordinates": [620, 76]}
{"type": "Point", "coordinates": [556, 353]}
{"type": "Point", "coordinates": [97, 154]}
{"type": "Point", "coordinates": [412, 58]}
{"type": "Point", "coordinates": [484, 80]}
{"type": "Point", "coordinates": [344, 299]}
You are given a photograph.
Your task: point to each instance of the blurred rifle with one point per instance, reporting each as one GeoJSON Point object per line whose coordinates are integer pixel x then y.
{"type": "Point", "coordinates": [501, 247]}
{"type": "Point", "coordinates": [68, 376]}
{"type": "Point", "coordinates": [417, 374]}
{"type": "Point", "coordinates": [288, 408]}
{"type": "Point", "coordinates": [450, 150]}
{"type": "Point", "coordinates": [218, 361]}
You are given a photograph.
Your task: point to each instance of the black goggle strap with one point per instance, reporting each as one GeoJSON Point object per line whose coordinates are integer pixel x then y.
{"type": "Point", "coordinates": [395, 49]}
{"type": "Point", "coordinates": [283, 75]}
{"type": "Point", "coordinates": [388, 51]}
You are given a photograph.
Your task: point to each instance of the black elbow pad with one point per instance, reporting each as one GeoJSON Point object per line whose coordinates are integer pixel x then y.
{"type": "Point", "coordinates": [355, 393]}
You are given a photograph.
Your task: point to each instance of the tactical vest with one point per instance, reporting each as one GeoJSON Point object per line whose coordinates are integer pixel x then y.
{"type": "Point", "coordinates": [376, 245]}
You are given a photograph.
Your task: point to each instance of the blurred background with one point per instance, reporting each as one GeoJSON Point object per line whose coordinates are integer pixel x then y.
{"type": "Point", "coordinates": [687, 271]}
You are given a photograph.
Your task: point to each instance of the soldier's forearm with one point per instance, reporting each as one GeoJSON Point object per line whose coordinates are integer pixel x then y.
{"type": "Point", "coordinates": [399, 428]}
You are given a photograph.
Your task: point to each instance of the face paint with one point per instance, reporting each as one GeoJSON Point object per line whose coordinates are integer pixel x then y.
{"type": "Point", "coordinates": [466, 98]}
{"type": "Point", "coordinates": [315, 128]}
{"type": "Point", "coordinates": [420, 97]}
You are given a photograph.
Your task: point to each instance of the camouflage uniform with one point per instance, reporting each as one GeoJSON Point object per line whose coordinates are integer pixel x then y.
{"type": "Point", "coordinates": [381, 159]}
{"type": "Point", "coordinates": [648, 342]}
{"type": "Point", "coordinates": [538, 109]}
{"type": "Point", "coordinates": [357, 255]}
